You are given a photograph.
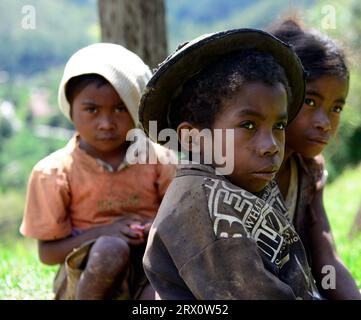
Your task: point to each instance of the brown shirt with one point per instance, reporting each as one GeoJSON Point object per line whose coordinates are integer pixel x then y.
{"type": "Point", "coordinates": [214, 240]}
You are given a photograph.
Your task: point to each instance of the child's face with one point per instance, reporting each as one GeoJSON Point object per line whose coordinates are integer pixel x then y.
{"type": "Point", "coordinates": [102, 119]}
{"type": "Point", "coordinates": [318, 120]}
{"type": "Point", "coordinates": [258, 115]}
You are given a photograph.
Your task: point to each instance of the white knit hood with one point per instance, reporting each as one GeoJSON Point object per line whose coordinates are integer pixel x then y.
{"type": "Point", "coordinates": [124, 70]}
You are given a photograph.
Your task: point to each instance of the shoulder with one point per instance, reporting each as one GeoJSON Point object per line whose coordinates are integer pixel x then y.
{"type": "Point", "coordinates": [184, 191]}
{"type": "Point", "coordinates": [315, 168]}
{"type": "Point", "coordinates": [183, 223]}
{"type": "Point", "coordinates": [184, 202]}
{"type": "Point", "coordinates": [56, 162]}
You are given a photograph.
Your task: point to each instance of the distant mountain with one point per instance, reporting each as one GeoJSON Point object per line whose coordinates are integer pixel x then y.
{"type": "Point", "coordinates": [60, 28]}
{"type": "Point", "coordinates": [63, 26]}
{"type": "Point", "coordinates": [187, 19]}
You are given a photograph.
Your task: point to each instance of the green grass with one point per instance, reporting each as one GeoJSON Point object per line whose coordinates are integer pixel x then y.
{"type": "Point", "coordinates": [22, 276]}
{"type": "Point", "coordinates": [342, 199]}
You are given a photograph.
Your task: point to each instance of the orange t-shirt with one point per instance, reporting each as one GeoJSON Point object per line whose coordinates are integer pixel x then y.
{"type": "Point", "coordinates": [70, 190]}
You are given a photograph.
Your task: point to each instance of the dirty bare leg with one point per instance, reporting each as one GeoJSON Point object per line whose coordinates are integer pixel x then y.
{"type": "Point", "coordinates": [107, 260]}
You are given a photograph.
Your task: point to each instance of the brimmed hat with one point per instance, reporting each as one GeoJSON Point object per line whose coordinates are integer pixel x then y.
{"type": "Point", "coordinates": [196, 55]}
{"type": "Point", "coordinates": [123, 69]}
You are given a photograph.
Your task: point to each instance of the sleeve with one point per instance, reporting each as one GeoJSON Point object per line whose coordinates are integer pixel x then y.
{"type": "Point", "coordinates": [45, 215]}
{"type": "Point", "coordinates": [226, 275]}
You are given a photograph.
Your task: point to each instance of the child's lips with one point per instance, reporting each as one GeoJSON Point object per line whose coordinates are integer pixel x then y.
{"type": "Point", "coordinates": [318, 138]}
{"type": "Point", "coordinates": [267, 173]}
{"type": "Point", "coordinates": [268, 176]}
{"type": "Point", "coordinates": [106, 137]}
{"type": "Point", "coordinates": [318, 141]}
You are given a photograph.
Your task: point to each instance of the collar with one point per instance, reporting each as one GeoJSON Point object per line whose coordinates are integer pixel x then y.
{"type": "Point", "coordinates": [270, 194]}
{"type": "Point", "coordinates": [139, 143]}
{"type": "Point", "coordinates": [193, 168]}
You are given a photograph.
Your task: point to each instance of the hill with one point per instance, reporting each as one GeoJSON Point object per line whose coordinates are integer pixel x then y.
{"type": "Point", "coordinates": [61, 27]}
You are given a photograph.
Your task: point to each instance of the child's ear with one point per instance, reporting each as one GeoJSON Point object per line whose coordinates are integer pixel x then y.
{"type": "Point", "coordinates": [188, 137]}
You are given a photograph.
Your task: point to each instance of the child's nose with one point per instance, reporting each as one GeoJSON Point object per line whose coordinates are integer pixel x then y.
{"type": "Point", "coordinates": [322, 121]}
{"type": "Point", "coordinates": [269, 146]}
{"type": "Point", "coordinates": [106, 122]}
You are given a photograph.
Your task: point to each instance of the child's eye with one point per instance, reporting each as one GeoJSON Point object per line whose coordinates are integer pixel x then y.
{"type": "Point", "coordinates": [91, 109]}
{"type": "Point", "coordinates": [337, 109]}
{"type": "Point", "coordinates": [310, 102]}
{"type": "Point", "coordinates": [250, 125]}
{"type": "Point", "coordinates": [281, 125]}
{"type": "Point", "coordinates": [121, 109]}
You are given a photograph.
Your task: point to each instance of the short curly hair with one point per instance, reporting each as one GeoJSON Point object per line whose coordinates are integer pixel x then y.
{"type": "Point", "coordinates": [202, 96]}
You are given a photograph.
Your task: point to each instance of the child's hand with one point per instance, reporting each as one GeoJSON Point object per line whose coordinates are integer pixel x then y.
{"type": "Point", "coordinates": [138, 228]}
{"type": "Point", "coordinates": [142, 228]}
{"type": "Point", "coordinates": [122, 228]}
{"type": "Point", "coordinates": [147, 229]}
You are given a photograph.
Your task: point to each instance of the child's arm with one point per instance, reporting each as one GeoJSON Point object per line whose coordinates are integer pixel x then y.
{"type": "Point", "coordinates": [55, 252]}
{"type": "Point", "coordinates": [324, 253]}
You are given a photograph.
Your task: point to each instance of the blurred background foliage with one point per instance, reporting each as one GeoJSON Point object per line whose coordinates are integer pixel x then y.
{"type": "Point", "coordinates": [32, 60]}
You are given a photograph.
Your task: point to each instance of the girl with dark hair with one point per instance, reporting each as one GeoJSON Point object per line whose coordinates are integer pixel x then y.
{"type": "Point", "coordinates": [302, 176]}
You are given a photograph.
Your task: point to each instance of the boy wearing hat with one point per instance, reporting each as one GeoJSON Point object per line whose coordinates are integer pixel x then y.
{"type": "Point", "coordinates": [227, 236]}
{"type": "Point", "coordinates": [88, 204]}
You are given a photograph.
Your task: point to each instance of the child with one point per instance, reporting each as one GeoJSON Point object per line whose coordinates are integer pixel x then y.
{"type": "Point", "coordinates": [217, 237]}
{"type": "Point", "coordinates": [301, 178]}
{"type": "Point", "coordinates": [88, 205]}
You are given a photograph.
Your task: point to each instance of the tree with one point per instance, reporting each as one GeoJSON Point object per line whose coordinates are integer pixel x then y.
{"type": "Point", "coordinates": [138, 25]}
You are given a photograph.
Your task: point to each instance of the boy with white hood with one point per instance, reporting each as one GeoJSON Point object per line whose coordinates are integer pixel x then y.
{"type": "Point", "coordinates": [90, 208]}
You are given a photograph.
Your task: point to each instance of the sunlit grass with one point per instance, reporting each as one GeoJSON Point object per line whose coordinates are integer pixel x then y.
{"type": "Point", "coordinates": [22, 276]}
{"type": "Point", "coordinates": [342, 200]}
